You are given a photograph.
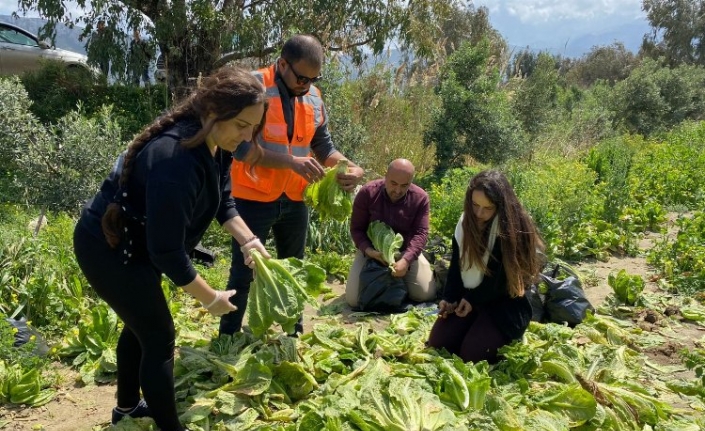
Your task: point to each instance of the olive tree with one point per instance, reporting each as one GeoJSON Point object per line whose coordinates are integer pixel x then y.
{"type": "Point", "coordinates": [196, 36]}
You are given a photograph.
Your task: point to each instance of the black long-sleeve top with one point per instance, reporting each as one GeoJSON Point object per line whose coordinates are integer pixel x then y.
{"type": "Point", "coordinates": [511, 315]}
{"type": "Point", "coordinates": [173, 194]}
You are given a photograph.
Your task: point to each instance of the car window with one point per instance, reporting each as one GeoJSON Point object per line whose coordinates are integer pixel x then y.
{"type": "Point", "coordinates": [13, 36]}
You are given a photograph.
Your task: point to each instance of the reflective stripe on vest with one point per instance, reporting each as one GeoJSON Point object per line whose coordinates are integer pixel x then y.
{"type": "Point", "coordinates": [267, 184]}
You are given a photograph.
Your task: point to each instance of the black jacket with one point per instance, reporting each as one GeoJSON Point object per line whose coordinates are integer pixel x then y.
{"type": "Point", "coordinates": [173, 195]}
{"type": "Point", "coordinates": [511, 315]}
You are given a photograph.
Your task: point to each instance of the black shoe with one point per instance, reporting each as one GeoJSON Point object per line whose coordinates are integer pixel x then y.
{"type": "Point", "coordinates": [140, 411]}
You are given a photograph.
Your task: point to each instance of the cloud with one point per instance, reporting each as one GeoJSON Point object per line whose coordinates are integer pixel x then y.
{"type": "Point", "coordinates": [544, 11]}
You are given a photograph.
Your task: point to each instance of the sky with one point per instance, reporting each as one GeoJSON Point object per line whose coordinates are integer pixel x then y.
{"type": "Point", "coordinates": [544, 11]}
{"type": "Point", "coordinates": [568, 27]}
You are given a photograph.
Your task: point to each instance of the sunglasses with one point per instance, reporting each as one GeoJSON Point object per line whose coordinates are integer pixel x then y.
{"type": "Point", "coordinates": [300, 79]}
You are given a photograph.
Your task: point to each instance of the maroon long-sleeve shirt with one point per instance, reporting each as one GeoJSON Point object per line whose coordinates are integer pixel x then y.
{"type": "Point", "coordinates": [408, 217]}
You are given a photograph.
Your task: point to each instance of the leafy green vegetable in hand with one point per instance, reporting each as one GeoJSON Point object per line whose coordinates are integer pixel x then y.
{"type": "Point", "coordinates": [384, 240]}
{"type": "Point", "coordinates": [627, 288]}
{"type": "Point", "coordinates": [279, 290]}
{"type": "Point", "coordinates": [326, 196]}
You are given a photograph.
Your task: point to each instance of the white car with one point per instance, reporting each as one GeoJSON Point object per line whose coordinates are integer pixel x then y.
{"type": "Point", "coordinates": [21, 51]}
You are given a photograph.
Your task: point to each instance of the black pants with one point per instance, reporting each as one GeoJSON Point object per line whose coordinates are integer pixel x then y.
{"type": "Point", "coordinates": [474, 337]}
{"type": "Point", "coordinates": [145, 350]}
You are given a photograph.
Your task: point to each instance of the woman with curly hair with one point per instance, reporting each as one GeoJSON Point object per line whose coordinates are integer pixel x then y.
{"type": "Point", "coordinates": [150, 213]}
{"type": "Point", "coordinates": [494, 257]}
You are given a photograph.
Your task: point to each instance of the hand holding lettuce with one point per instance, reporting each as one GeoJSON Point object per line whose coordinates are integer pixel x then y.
{"type": "Point", "coordinates": [279, 290]}
{"type": "Point", "coordinates": [384, 240]}
{"type": "Point", "coordinates": [326, 196]}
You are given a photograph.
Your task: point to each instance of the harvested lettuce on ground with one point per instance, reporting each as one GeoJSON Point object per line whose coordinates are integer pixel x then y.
{"type": "Point", "coordinates": [279, 290]}
{"type": "Point", "coordinates": [384, 240]}
{"type": "Point", "coordinates": [326, 196]}
{"type": "Point", "coordinates": [627, 288]}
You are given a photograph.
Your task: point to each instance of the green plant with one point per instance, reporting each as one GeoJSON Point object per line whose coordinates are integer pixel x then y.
{"type": "Point", "coordinates": [475, 118]}
{"type": "Point", "coordinates": [662, 170]}
{"type": "Point", "coordinates": [329, 235]}
{"type": "Point", "coordinates": [626, 287]}
{"type": "Point", "coordinates": [55, 92]}
{"type": "Point", "coordinates": [682, 260]}
{"type": "Point", "coordinates": [26, 355]}
{"type": "Point", "coordinates": [695, 360]}
{"type": "Point", "coordinates": [41, 279]}
{"type": "Point", "coordinates": [336, 265]}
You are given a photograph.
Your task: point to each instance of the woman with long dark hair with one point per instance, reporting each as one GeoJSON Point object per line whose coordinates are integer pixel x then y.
{"type": "Point", "coordinates": [150, 213]}
{"type": "Point", "coordinates": [495, 255]}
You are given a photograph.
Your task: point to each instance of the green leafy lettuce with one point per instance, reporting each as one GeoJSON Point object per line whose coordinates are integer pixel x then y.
{"type": "Point", "coordinates": [279, 290]}
{"type": "Point", "coordinates": [326, 196]}
{"type": "Point", "coordinates": [384, 240]}
{"type": "Point", "coordinates": [627, 288]}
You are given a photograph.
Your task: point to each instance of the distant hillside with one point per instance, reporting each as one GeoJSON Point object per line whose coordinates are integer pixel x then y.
{"type": "Point", "coordinates": [631, 35]}
{"type": "Point", "coordinates": [66, 38]}
{"type": "Point", "coordinates": [570, 37]}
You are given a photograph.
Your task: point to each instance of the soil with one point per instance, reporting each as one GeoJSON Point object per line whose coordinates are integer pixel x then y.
{"type": "Point", "coordinates": [87, 408]}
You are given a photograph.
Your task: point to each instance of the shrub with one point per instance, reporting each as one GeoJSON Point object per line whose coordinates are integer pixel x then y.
{"type": "Point", "coordinates": [17, 127]}
{"type": "Point", "coordinates": [56, 91]}
{"type": "Point", "coordinates": [56, 166]}
{"type": "Point", "coordinates": [63, 171]}
{"type": "Point", "coordinates": [475, 118]}
{"type": "Point", "coordinates": [666, 170]}
{"type": "Point", "coordinates": [654, 98]}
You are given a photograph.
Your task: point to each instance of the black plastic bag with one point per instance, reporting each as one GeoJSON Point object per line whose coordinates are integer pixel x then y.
{"type": "Point", "coordinates": [379, 289]}
{"type": "Point", "coordinates": [536, 300]}
{"type": "Point", "coordinates": [565, 299]}
{"type": "Point", "coordinates": [24, 333]}
{"type": "Point", "coordinates": [202, 255]}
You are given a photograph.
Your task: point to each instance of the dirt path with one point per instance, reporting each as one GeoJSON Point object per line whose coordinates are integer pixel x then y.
{"type": "Point", "coordinates": [88, 408]}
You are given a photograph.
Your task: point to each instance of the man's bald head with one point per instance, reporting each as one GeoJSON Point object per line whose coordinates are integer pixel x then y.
{"type": "Point", "coordinates": [402, 165]}
{"type": "Point", "coordinates": [398, 179]}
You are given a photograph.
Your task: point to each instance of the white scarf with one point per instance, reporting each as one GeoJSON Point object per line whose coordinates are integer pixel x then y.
{"type": "Point", "coordinates": [472, 277]}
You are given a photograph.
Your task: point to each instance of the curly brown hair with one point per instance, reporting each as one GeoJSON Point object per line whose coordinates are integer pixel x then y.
{"type": "Point", "coordinates": [519, 238]}
{"type": "Point", "coordinates": [220, 97]}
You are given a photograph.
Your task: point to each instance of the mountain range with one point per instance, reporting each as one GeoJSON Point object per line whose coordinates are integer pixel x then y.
{"type": "Point", "coordinates": [571, 37]}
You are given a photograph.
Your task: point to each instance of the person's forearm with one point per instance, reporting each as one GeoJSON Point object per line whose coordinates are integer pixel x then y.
{"type": "Point", "coordinates": [200, 290]}
{"type": "Point", "coordinates": [332, 160]}
{"type": "Point", "coordinates": [415, 246]}
{"type": "Point", "coordinates": [275, 160]}
{"type": "Point", "coordinates": [239, 230]}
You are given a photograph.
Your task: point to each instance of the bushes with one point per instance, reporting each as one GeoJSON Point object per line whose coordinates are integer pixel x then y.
{"type": "Point", "coordinates": [682, 261]}
{"type": "Point", "coordinates": [17, 126]}
{"type": "Point", "coordinates": [57, 166]}
{"type": "Point", "coordinates": [56, 91]}
{"type": "Point", "coordinates": [654, 98]}
{"type": "Point", "coordinates": [669, 170]}
{"type": "Point", "coordinates": [475, 118]}
{"type": "Point", "coordinates": [40, 277]}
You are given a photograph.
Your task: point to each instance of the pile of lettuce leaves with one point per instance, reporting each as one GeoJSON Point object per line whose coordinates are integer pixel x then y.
{"type": "Point", "coordinates": [365, 377]}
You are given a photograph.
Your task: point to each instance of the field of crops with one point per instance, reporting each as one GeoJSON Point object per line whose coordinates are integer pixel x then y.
{"type": "Point", "coordinates": [357, 372]}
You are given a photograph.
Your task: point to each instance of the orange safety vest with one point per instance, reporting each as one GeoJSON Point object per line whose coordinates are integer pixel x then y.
{"type": "Point", "coordinates": [268, 184]}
